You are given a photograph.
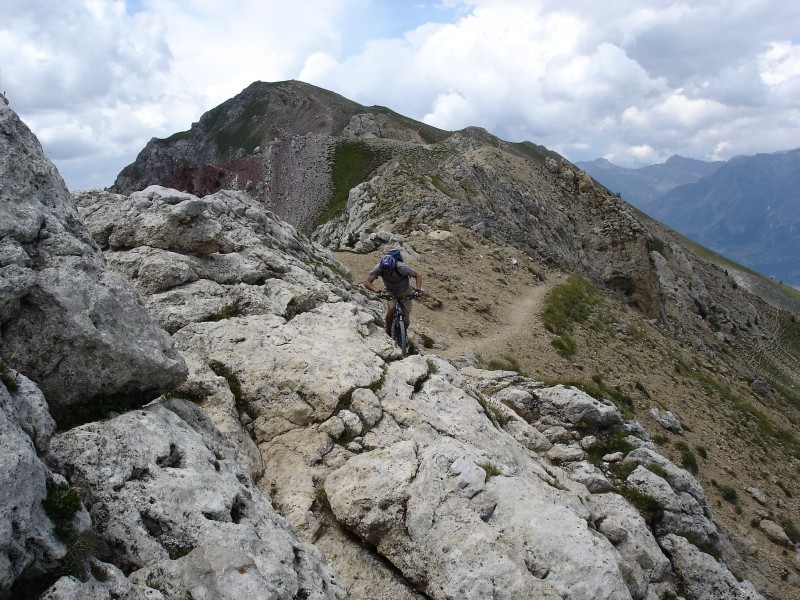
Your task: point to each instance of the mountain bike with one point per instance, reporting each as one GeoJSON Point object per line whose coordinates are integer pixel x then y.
{"type": "Point", "coordinates": [399, 333]}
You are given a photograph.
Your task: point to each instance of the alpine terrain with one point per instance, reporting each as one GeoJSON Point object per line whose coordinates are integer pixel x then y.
{"type": "Point", "coordinates": [198, 398]}
{"type": "Point", "coordinates": [747, 209]}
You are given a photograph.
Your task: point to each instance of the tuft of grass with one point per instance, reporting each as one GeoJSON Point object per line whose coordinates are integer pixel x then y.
{"type": "Point", "coordinates": [702, 451]}
{"type": "Point", "coordinates": [490, 468]}
{"type": "Point", "coordinates": [564, 345]}
{"type": "Point", "coordinates": [61, 503]}
{"type": "Point", "coordinates": [506, 363]}
{"type": "Point", "coordinates": [427, 341]}
{"type": "Point", "coordinates": [615, 442]}
{"type": "Point", "coordinates": [786, 490]}
{"type": "Point", "coordinates": [688, 459]}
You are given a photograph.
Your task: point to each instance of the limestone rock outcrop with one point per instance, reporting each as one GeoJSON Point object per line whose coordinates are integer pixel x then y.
{"type": "Point", "coordinates": [74, 327]}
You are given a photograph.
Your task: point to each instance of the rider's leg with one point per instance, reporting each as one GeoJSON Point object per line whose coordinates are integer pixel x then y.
{"type": "Point", "coordinates": [406, 312]}
{"type": "Point", "coordinates": [390, 316]}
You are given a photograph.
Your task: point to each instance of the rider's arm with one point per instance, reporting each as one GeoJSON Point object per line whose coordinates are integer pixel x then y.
{"type": "Point", "coordinates": [368, 284]}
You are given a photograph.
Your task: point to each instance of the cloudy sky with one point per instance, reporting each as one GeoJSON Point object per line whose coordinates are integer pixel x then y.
{"type": "Point", "coordinates": [634, 81]}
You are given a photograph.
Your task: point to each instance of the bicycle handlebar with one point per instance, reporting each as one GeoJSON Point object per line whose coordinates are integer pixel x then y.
{"type": "Point", "coordinates": [383, 294]}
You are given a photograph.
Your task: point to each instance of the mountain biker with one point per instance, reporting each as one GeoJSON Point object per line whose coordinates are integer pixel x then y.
{"type": "Point", "coordinates": [395, 275]}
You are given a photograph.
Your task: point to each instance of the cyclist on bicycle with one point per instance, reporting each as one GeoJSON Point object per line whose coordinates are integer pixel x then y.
{"type": "Point", "coordinates": [395, 275]}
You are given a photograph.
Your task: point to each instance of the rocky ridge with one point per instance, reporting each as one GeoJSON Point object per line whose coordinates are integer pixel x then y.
{"type": "Point", "coordinates": [273, 470]}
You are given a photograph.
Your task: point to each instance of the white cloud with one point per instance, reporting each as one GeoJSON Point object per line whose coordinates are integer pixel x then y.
{"type": "Point", "coordinates": [95, 79]}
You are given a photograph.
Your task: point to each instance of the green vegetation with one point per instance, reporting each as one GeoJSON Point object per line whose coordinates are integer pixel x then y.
{"type": "Point", "coordinates": [657, 245]}
{"type": "Point", "coordinates": [729, 493]}
{"type": "Point", "coordinates": [61, 504]}
{"type": "Point", "coordinates": [789, 529]}
{"type": "Point", "coordinates": [565, 305]}
{"type": "Point", "coordinates": [648, 507]}
{"type": "Point", "coordinates": [702, 451]}
{"type": "Point", "coordinates": [233, 384]}
{"type": "Point", "coordinates": [564, 345]}
{"type": "Point", "coordinates": [229, 311]}
{"type": "Point", "coordinates": [660, 439]}
{"type": "Point", "coordinates": [706, 547]}
{"type": "Point", "coordinates": [615, 442]}
{"type": "Point", "coordinates": [353, 162]}
{"type": "Point", "coordinates": [766, 430]}
{"type": "Point", "coordinates": [427, 341]}
{"type": "Point", "coordinates": [539, 154]}
{"type": "Point", "coordinates": [245, 131]}
{"type": "Point", "coordinates": [785, 489]}
{"type": "Point", "coordinates": [688, 459]}
{"type": "Point", "coordinates": [495, 414]}
{"type": "Point", "coordinates": [506, 363]}
{"type": "Point", "coordinates": [569, 303]}
{"type": "Point", "coordinates": [490, 468]}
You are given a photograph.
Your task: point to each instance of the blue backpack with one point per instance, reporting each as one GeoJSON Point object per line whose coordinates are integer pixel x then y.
{"type": "Point", "coordinates": [396, 255]}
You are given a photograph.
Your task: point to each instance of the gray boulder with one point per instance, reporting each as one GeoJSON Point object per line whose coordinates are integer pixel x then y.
{"type": "Point", "coordinates": [171, 506]}
{"type": "Point", "coordinates": [27, 538]}
{"type": "Point", "coordinates": [76, 329]}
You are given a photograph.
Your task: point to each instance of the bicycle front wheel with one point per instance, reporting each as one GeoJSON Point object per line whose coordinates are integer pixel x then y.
{"type": "Point", "coordinates": [399, 335]}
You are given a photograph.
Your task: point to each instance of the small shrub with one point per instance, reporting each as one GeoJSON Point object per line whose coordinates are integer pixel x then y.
{"type": "Point", "coordinates": [647, 506]}
{"type": "Point", "coordinates": [640, 386]}
{"type": "Point", "coordinates": [702, 451]}
{"type": "Point", "coordinates": [789, 528]}
{"type": "Point", "coordinates": [615, 442]}
{"type": "Point", "coordinates": [660, 439]}
{"type": "Point", "coordinates": [61, 503]}
{"type": "Point", "coordinates": [427, 341]}
{"type": "Point", "coordinates": [658, 470]}
{"type": "Point", "coordinates": [729, 493]}
{"type": "Point", "coordinates": [688, 459]}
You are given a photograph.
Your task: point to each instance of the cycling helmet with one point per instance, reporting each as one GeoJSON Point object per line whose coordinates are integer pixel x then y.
{"type": "Point", "coordinates": [388, 263]}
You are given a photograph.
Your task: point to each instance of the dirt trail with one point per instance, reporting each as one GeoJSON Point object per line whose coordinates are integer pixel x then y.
{"type": "Point", "coordinates": [512, 331]}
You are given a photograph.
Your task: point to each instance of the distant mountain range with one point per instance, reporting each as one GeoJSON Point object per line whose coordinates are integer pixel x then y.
{"type": "Point", "coordinates": [747, 208]}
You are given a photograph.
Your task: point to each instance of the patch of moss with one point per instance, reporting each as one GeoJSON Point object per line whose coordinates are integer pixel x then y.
{"type": "Point", "coordinates": [233, 384]}
{"type": "Point", "coordinates": [229, 311]}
